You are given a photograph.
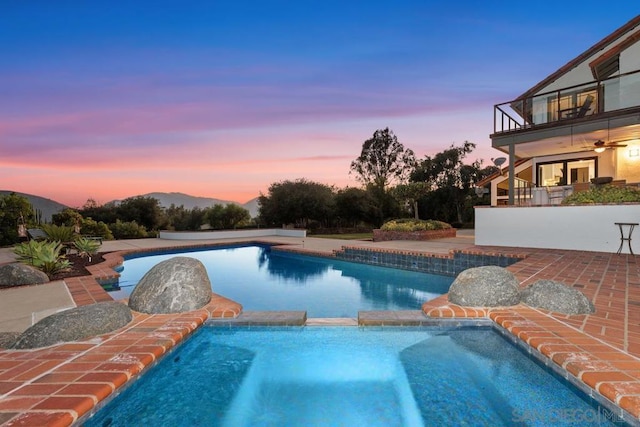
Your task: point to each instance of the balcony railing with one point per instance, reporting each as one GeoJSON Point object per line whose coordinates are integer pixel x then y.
{"type": "Point", "coordinates": [522, 192]}
{"type": "Point", "coordinates": [574, 102]}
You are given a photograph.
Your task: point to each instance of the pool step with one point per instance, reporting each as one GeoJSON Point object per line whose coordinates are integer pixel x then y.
{"type": "Point", "coordinates": [320, 386]}
{"type": "Point", "coordinates": [263, 318]}
{"type": "Point", "coordinates": [393, 318]}
{"type": "Point", "coordinates": [331, 321]}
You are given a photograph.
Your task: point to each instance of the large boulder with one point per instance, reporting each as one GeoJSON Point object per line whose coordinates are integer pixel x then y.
{"type": "Point", "coordinates": [7, 339]}
{"type": "Point", "coordinates": [75, 324]}
{"type": "Point", "coordinates": [18, 274]}
{"type": "Point", "coordinates": [488, 286]}
{"type": "Point", "coordinates": [176, 285]}
{"type": "Point", "coordinates": [556, 296]}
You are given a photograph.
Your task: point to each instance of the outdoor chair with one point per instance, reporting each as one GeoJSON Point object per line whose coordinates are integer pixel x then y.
{"type": "Point", "coordinates": [580, 186]}
{"type": "Point", "coordinates": [581, 111]}
{"type": "Point", "coordinates": [555, 194]}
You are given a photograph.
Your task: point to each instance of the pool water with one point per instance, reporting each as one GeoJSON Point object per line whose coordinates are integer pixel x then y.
{"type": "Point", "coordinates": [262, 279]}
{"type": "Point", "coordinates": [341, 376]}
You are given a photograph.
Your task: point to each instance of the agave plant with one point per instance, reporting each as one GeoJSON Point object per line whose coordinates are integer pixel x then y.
{"type": "Point", "coordinates": [86, 247]}
{"type": "Point", "coordinates": [45, 256]}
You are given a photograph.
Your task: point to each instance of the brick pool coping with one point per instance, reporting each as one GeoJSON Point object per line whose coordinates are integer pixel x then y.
{"type": "Point", "coordinates": [57, 385]}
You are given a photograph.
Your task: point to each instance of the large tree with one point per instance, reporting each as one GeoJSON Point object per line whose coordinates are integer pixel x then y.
{"type": "Point", "coordinates": [383, 161]}
{"type": "Point", "coordinates": [143, 210]}
{"type": "Point", "coordinates": [228, 217]}
{"type": "Point", "coordinates": [410, 194]}
{"type": "Point", "coordinates": [298, 202]}
{"type": "Point", "coordinates": [355, 206]}
{"type": "Point", "coordinates": [451, 181]}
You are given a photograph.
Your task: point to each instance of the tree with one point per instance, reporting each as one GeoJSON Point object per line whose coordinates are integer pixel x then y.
{"type": "Point", "coordinates": [411, 193]}
{"type": "Point", "coordinates": [383, 160]}
{"type": "Point", "coordinates": [451, 182]}
{"type": "Point", "coordinates": [144, 211]}
{"type": "Point", "coordinates": [69, 217]}
{"type": "Point", "coordinates": [180, 219]}
{"type": "Point", "coordinates": [355, 206]}
{"type": "Point", "coordinates": [101, 213]}
{"type": "Point", "coordinates": [235, 216]}
{"type": "Point", "coordinates": [15, 210]}
{"type": "Point", "coordinates": [227, 217]}
{"type": "Point", "coordinates": [298, 202]}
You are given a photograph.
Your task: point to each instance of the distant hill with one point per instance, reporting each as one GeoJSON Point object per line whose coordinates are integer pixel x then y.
{"type": "Point", "coordinates": [48, 207]}
{"type": "Point", "coordinates": [190, 202]}
{"type": "Point", "coordinates": [252, 206]}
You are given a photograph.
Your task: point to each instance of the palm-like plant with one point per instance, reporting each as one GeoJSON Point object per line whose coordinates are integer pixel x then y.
{"type": "Point", "coordinates": [60, 233]}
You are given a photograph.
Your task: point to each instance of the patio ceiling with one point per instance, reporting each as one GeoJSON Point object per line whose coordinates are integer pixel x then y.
{"type": "Point", "coordinates": [570, 138]}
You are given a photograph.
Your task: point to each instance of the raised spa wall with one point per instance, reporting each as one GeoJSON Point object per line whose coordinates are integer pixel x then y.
{"type": "Point", "coordinates": [446, 265]}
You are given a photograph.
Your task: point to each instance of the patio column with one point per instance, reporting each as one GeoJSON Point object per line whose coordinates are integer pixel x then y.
{"type": "Point", "coordinates": [512, 173]}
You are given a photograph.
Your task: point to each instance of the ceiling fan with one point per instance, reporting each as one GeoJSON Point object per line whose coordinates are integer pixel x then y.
{"type": "Point", "coordinates": [600, 145]}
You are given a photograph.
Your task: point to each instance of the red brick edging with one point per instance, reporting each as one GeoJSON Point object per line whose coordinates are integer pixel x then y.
{"type": "Point", "coordinates": [56, 385]}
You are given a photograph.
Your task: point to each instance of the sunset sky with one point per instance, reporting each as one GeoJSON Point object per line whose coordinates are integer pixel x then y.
{"type": "Point", "coordinates": [108, 100]}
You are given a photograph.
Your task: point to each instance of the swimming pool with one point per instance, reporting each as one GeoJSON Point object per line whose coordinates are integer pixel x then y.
{"type": "Point", "coordinates": [263, 279]}
{"type": "Point", "coordinates": [341, 376]}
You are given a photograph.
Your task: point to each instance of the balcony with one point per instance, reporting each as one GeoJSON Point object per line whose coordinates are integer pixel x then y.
{"type": "Point", "coordinates": [584, 102]}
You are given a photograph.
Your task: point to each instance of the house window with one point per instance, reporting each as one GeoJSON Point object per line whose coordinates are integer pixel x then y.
{"type": "Point", "coordinates": [565, 172]}
{"type": "Point", "coordinates": [607, 67]}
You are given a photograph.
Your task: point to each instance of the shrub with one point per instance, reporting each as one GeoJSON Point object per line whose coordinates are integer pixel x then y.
{"type": "Point", "coordinates": [60, 233]}
{"type": "Point", "coordinates": [408, 224]}
{"type": "Point", "coordinates": [604, 194]}
{"type": "Point", "coordinates": [86, 247]}
{"type": "Point", "coordinates": [89, 227]}
{"type": "Point", "coordinates": [128, 230]}
{"type": "Point", "coordinates": [43, 255]}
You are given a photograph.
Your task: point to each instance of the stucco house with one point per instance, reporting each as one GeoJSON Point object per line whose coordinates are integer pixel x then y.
{"type": "Point", "coordinates": [580, 123]}
{"type": "Point", "coordinates": [578, 127]}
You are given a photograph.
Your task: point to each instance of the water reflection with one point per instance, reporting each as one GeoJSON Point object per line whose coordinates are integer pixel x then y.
{"type": "Point", "coordinates": [291, 267]}
{"type": "Point", "coordinates": [261, 279]}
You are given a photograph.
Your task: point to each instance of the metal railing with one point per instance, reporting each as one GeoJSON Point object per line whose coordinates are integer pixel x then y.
{"type": "Point", "coordinates": [522, 192]}
{"type": "Point", "coordinates": [573, 102]}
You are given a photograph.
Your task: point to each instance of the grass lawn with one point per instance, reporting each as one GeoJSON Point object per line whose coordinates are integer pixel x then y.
{"type": "Point", "coordinates": [354, 236]}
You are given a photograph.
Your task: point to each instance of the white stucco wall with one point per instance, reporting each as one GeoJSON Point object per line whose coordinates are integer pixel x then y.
{"type": "Point", "coordinates": [630, 59]}
{"type": "Point", "coordinates": [587, 228]}
{"type": "Point", "coordinates": [230, 234]}
{"type": "Point", "coordinates": [628, 166]}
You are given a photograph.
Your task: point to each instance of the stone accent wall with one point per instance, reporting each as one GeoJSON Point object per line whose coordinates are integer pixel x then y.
{"type": "Point", "coordinates": [383, 236]}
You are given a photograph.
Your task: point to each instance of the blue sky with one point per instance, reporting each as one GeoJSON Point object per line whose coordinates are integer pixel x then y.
{"type": "Point", "coordinates": [223, 98]}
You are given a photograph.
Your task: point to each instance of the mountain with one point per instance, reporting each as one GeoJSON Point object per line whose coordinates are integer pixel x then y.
{"type": "Point", "coordinates": [190, 202]}
{"type": "Point", "coordinates": [186, 200]}
{"type": "Point", "coordinates": [252, 206]}
{"type": "Point", "coordinates": [48, 207]}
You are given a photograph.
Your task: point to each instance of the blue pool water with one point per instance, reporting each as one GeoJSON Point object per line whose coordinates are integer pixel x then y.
{"type": "Point", "coordinates": [341, 376]}
{"type": "Point", "coordinates": [261, 279]}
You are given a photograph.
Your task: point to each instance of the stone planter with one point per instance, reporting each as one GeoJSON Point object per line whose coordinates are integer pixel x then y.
{"type": "Point", "coordinates": [383, 236]}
